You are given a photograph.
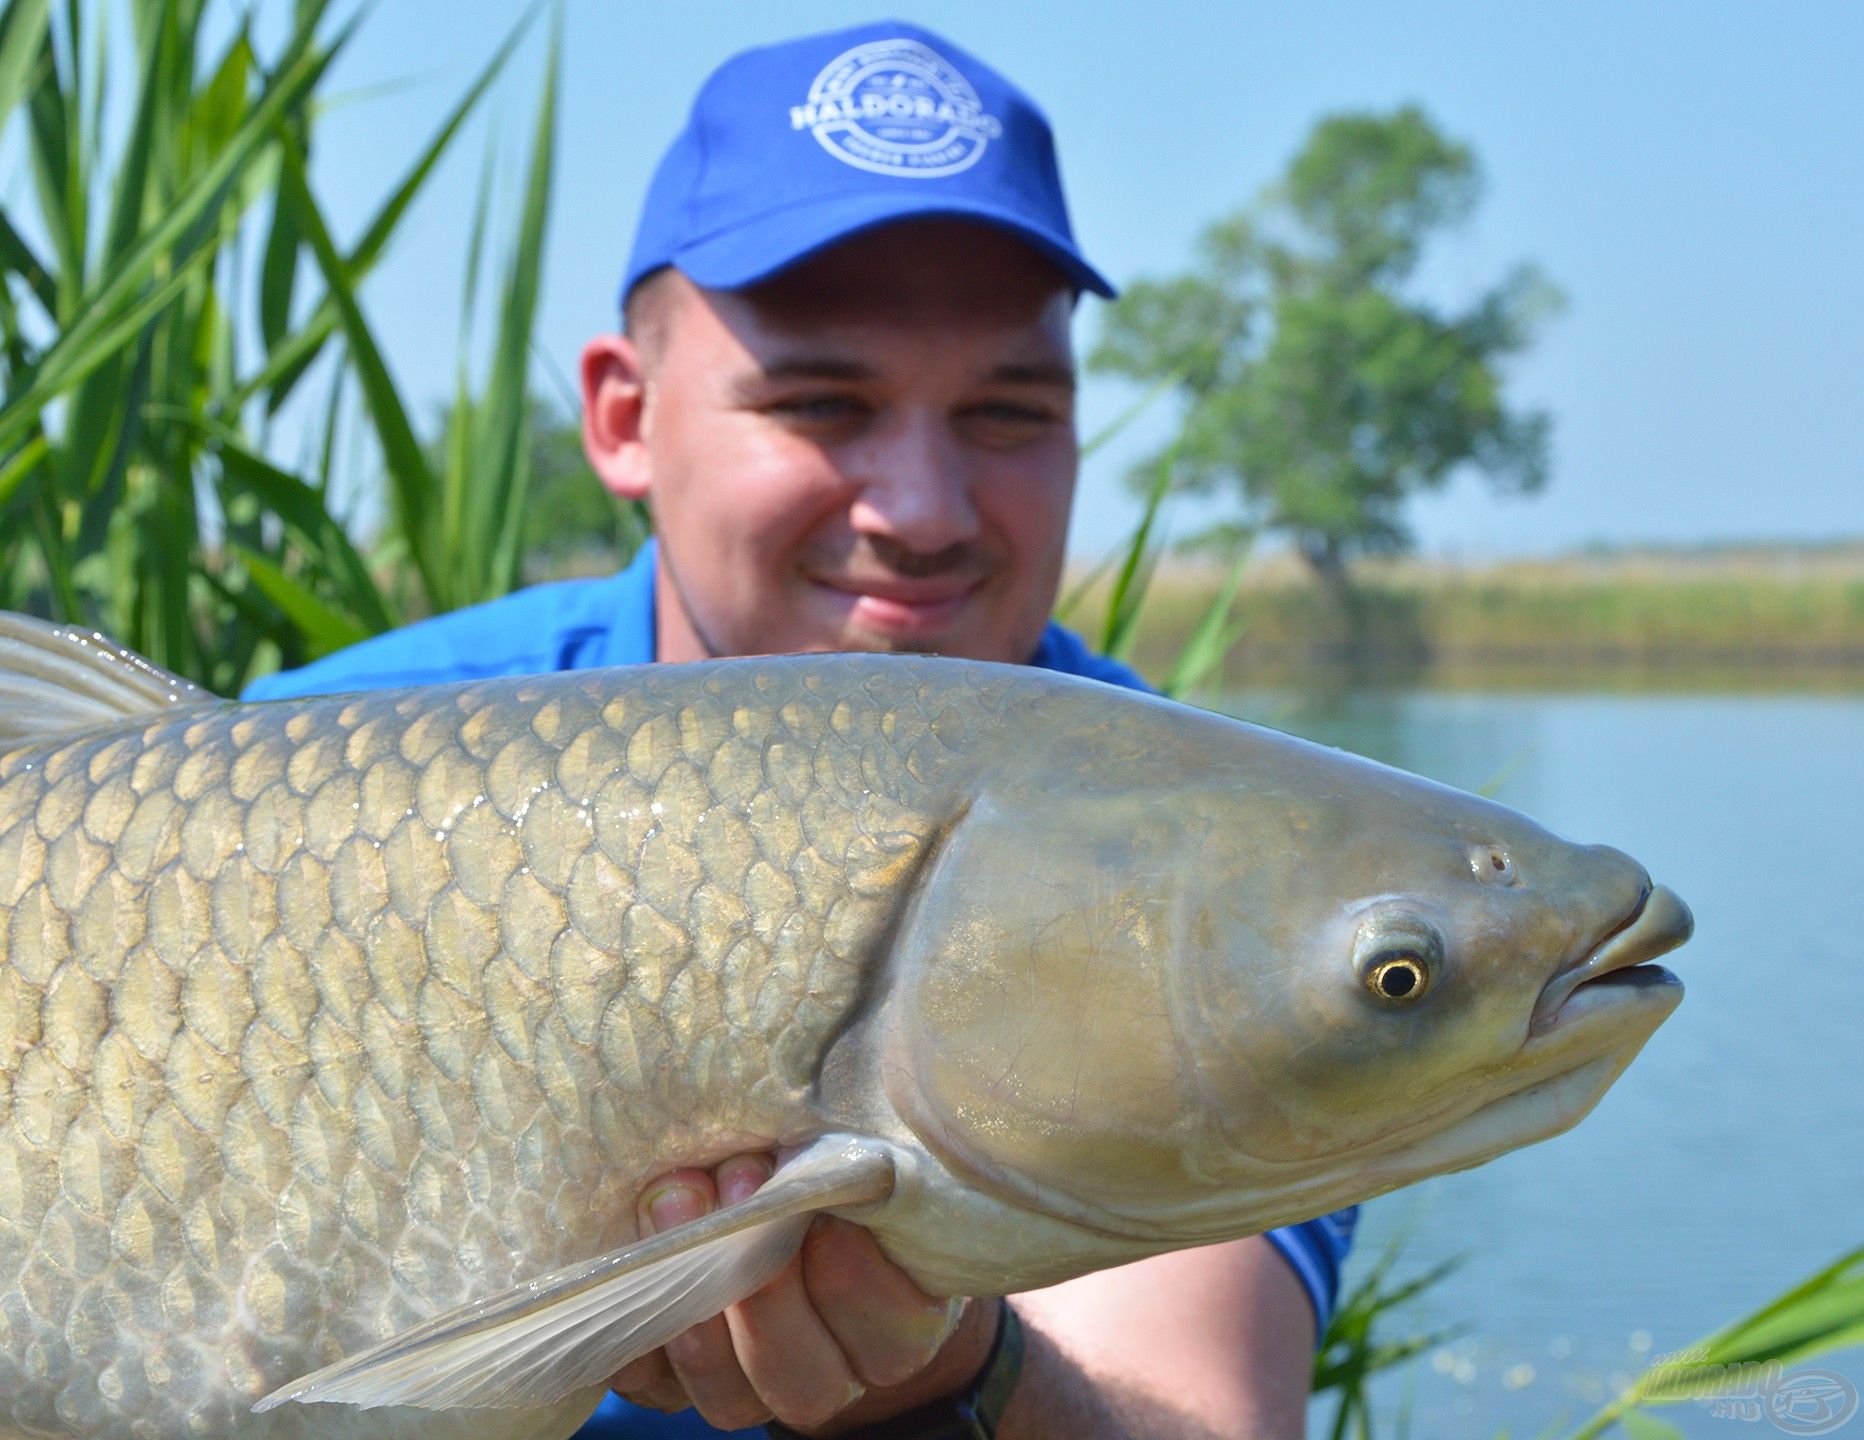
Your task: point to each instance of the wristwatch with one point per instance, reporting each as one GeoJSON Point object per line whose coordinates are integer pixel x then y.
{"type": "Point", "coordinates": [972, 1414]}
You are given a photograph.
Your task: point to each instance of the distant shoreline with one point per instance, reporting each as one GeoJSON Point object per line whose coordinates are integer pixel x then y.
{"type": "Point", "coordinates": [1736, 617]}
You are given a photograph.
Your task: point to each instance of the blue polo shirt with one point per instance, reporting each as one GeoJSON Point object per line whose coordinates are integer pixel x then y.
{"type": "Point", "coordinates": [583, 624]}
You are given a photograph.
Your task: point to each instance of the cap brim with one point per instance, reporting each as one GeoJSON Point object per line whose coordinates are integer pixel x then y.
{"type": "Point", "coordinates": [760, 248]}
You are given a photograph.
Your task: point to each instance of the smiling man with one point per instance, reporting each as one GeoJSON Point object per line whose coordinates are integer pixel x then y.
{"type": "Point", "coordinates": [873, 450]}
{"type": "Point", "coordinates": [846, 389]}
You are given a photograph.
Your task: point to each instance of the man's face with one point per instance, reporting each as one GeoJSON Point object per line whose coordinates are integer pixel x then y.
{"type": "Point", "coordinates": [873, 451]}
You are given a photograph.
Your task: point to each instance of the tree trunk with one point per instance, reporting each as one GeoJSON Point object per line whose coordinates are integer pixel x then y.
{"type": "Point", "coordinates": [1347, 642]}
{"type": "Point", "coordinates": [1327, 560]}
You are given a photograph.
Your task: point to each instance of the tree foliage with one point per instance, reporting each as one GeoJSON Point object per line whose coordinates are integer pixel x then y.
{"type": "Point", "coordinates": [1320, 388]}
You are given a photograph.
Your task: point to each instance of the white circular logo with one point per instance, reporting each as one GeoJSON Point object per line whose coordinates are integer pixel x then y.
{"type": "Point", "coordinates": [897, 107]}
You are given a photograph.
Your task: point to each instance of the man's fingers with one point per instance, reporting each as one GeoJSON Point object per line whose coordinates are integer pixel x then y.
{"type": "Point", "coordinates": [700, 1362]}
{"type": "Point", "coordinates": [803, 1348]}
{"type": "Point", "coordinates": [784, 1351]}
{"type": "Point", "coordinates": [788, 1354]}
{"type": "Point", "coordinates": [681, 1196]}
{"type": "Point", "coordinates": [887, 1326]}
{"type": "Point", "coordinates": [740, 1177]}
{"type": "Point", "coordinates": [708, 1371]}
{"type": "Point", "coordinates": [650, 1381]}
{"type": "Point", "coordinates": [674, 1199]}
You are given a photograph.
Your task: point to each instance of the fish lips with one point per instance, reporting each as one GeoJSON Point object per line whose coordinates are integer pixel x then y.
{"type": "Point", "coordinates": [1617, 969]}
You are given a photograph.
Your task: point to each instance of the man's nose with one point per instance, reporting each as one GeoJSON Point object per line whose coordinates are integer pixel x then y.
{"type": "Point", "coordinates": [916, 488]}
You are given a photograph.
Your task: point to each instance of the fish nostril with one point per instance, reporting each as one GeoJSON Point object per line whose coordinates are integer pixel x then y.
{"type": "Point", "coordinates": [1492, 864]}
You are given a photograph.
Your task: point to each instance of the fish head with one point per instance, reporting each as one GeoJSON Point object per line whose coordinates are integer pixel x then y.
{"type": "Point", "coordinates": [1413, 980]}
{"type": "Point", "coordinates": [1259, 979]}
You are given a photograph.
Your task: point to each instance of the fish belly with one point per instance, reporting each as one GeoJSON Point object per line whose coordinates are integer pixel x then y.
{"type": "Point", "coordinates": [318, 1018]}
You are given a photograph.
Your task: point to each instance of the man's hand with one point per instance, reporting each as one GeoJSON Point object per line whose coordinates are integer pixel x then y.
{"type": "Point", "coordinates": [839, 1322]}
{"type": "Point", "coordinates": [1185, 1346]}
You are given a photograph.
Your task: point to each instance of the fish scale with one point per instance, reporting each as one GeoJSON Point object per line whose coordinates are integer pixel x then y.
{"type": "Point", "coordinates": [318, 1018]}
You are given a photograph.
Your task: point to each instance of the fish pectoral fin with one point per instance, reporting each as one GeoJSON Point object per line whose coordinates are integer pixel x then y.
{"type": "Point", "coordinates": [55, 679]}
{"type": "Point", "coordinates": [548, 1338]}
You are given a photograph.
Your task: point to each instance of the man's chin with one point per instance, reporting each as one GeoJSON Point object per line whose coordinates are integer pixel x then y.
{"type": "Point", "coordinates": [859, 640]}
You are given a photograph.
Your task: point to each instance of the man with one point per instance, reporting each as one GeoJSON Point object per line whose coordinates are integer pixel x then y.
{"type": "Point", "coordinates": [846, 389]}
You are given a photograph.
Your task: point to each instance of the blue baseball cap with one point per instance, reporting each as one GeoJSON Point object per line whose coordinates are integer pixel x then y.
{"type": "Point", "coordinates": [790, 148]}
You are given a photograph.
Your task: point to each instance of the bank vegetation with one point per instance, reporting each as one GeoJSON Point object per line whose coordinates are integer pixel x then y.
{"type": "Point", "coordinates": [1742, 617]}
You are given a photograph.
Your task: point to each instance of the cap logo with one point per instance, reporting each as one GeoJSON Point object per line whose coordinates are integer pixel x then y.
{"type": "Point", "coordinates": [897, 107]}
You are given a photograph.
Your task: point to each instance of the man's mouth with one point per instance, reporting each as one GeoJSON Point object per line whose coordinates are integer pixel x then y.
{"type": "Point", "coordinates": [1659, 923]}
{"type": "Point", "coordinates": [900, 607]}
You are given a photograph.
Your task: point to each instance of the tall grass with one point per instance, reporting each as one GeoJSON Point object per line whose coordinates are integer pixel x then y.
{"type": "Point", "coordinates": [168, 288]}
{"type": "Point", "coordinates": [1121, 586]}
{"type": "Point", "coordinates": [1560, 622]}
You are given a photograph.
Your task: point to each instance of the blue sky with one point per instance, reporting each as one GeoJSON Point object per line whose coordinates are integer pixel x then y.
{"type": "Point", "coordinates": [1692, 174]}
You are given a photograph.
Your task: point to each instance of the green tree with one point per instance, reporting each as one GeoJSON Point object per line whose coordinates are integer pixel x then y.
{"type": "Point", "coordinates": [1317, 386]}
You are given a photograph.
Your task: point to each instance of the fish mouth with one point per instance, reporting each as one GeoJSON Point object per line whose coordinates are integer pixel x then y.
{"type": "Point", "coordinates": [1656, 925]}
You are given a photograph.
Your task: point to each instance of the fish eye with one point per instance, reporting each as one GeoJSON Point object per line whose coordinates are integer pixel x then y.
{"type": "Point", "coordinates": [1402, 977]}
{"type": "Point", "coordinates": [1397, 957]}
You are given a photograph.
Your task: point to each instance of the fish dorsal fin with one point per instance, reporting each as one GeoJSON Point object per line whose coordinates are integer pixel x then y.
{"type": "Point", "coordinates": [55, 679]}
{"type": "Point", "coordinates": [551, 1337]}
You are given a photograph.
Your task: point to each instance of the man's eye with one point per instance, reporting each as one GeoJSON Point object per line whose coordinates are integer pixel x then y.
{"type": "Point", "coordinates": [819, 408]}
{"type": "Point", "coordinates": [1005, 422]}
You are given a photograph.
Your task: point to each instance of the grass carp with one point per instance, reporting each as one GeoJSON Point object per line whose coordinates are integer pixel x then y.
{"type": "Point", "coordinates": [338, 1036]}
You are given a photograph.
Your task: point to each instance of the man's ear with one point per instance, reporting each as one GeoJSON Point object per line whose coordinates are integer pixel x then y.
{"type": "Point", "coordinates": [614, 396]}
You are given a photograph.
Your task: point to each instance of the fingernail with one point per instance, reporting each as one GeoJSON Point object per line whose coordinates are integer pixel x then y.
{"type": "Point", "coordinates": [948, 1318]}
{"type": "Point", "coordinates": [674, 1205]}
{"type": "Point", "coordinates": [740, 1179]}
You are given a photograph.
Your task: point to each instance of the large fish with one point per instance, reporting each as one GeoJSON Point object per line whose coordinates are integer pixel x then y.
{"type": "Point", "coordinates": [337, 1037]}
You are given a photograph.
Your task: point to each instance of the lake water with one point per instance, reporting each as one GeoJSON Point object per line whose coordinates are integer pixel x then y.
{"type": "Point", "coordinates": [1729, 1160]}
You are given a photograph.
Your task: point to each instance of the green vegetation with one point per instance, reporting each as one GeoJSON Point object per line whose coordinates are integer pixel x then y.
{"type": "Point", "coordinates": [1318, 389]}
{"type": "Point", "coordinates": [572, 525]}
{"type": "Point", "coordinates": [171, 295]}
{"type": "Point", "coordinates": [1749, 621]}
{"type": "Point", "coordinates": [1122, 584]}
{"type": "Point", "coordinates": [571, 521]}
{"type": "Point", "coordinates": [1355, 1347]}
{"type": "Point", "coordinates": [1824, 1312]}
{"type": "Point", "coordinates": [1821, 1314]}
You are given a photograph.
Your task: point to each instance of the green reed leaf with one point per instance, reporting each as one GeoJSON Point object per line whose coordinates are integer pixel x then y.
{"type": "Point", "coordinates": [501, 454]}
{"type": "Point", "coordinates": [22, 29]}
{"type": "Point", "coordinates": [97, 329]}
{"type": "Point", "coordinates": [286, 362]}
{"type": "Point", "coordinates": [1214, 636]}
{"type": "Point", "coordinates": [325, 628]}
{"type": "Point", "coordinates": [411, 481]}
